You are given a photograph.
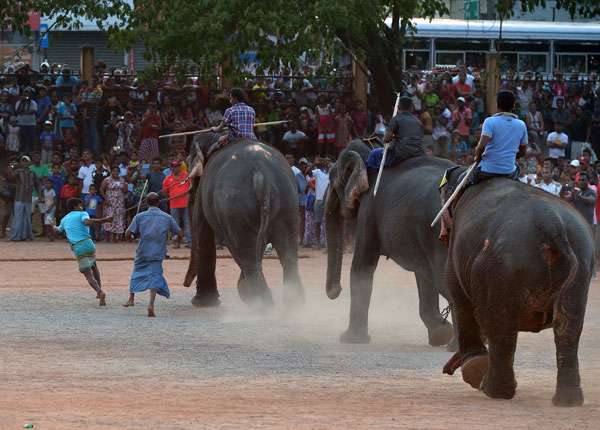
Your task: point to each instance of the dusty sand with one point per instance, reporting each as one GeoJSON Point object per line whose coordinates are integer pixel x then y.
{"type": "Point", "coordinates": [67, 364]}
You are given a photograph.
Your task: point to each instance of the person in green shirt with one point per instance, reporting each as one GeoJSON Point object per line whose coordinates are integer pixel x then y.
{"type": "Point", "coordinates": [430, 97]}
{"type": "Point", "coordinates": [41, 172]}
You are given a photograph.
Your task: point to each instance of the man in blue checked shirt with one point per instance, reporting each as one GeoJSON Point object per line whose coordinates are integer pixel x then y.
{"type": "Point", "coordinates": [239, 119]}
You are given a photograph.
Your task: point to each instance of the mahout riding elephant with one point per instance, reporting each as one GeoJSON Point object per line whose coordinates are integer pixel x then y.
{"type": "Point", "coordinates": [247, 195]}
{"type": "Point", "coordinates": [395, 223]}
{"type": "Point", "coordinates": [520, 259]}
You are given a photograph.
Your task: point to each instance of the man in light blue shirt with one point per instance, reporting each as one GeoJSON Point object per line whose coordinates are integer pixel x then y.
{"type": "Point", "coordinates": [152, 227]}
{"type": "Point", "coordinates": [503, 136]}
{"type": "Point", "coordinates": [76, 226]}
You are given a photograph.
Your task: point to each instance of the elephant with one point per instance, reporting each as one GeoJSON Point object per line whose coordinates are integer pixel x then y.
{"type": "Point", "coordinates": [519, 259]}
{"type": "Point", "coordinates": [247, 196]}
{"type": "Point", "coordinates": [395, 223]}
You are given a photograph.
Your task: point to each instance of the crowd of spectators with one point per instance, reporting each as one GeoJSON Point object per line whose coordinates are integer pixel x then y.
{"type": "Point", "coordinates": [100, 139]}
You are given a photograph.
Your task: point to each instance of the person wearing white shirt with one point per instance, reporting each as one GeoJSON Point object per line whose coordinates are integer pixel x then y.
{"type": "Point", "coordinates": [294, 139]}
{"type": "Point", "coordinates": [548, 184]}
{"type": "Point", "coordinates": [321, 184]}
{"type": "Point", "coordinates": [557, 141]}
{"type": "Point", "coordinates": [469, 79]}
{"type": "Point", "coordinates": [86, 172]}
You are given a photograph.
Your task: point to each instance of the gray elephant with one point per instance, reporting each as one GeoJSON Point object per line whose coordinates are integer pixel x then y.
{"type": "Point", "coordinates": [395, 223]}
{"type": "Point", "coordinates": [248, 196]}
{"type": "Point", "coordinates": [520, 259]}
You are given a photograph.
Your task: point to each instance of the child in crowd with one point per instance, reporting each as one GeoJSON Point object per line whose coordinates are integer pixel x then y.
{"type": "Point", "coordinates": [48, 208]}
{"type": "Point", "coordinates": [48, 142]}
{"type": "Point", "coordinates": [13, 141]}
{"type": "Point", "coordinates": [92, 204]}
{"type": "Point", "coordinates": [69, 191]}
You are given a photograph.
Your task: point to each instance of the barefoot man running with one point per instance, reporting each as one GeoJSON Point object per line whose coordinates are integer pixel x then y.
{"type": "Point", "coordinates": [76, 226]}
{"type": "Point", "coordinates": [152, 227]}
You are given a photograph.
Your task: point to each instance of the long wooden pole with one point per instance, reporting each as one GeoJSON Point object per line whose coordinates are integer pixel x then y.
{"type": "Point", "coordinates": [208, 130]}
{"type": "Point", "coordinates": [385, 150]}
{"type": "Point", "coordinates": [454, 194]}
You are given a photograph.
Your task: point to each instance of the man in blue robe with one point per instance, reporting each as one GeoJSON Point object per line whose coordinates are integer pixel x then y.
{"type": "Point", "coordinates": [152, 227]}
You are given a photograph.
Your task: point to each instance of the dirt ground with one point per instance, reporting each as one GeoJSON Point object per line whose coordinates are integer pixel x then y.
{"type": "Point", "coordinates": [68, 364]}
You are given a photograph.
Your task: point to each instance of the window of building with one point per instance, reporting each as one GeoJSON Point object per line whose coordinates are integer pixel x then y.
{"type": "Point", "coordinates": [532, 62]}
{"type": "Point", "coordinates": [475, 60]}
{"type": "Point", "coordinates": [508, 62]}
{"type": "Point", "coordinates": [569, 63]}
{"type": "Point", "coordinates": [418, 59]}
{"type": "Point", "coordinates": [450, 58]}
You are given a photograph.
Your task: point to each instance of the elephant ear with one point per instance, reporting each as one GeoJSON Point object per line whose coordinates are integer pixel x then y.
{"type": "Point", "coordinates": [352, 178]}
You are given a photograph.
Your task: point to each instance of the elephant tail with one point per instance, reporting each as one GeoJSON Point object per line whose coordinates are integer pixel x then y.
{"type": "Point", "coordinates": [558, 249]}
{"type": "Point", "coordinates": [263, 198]}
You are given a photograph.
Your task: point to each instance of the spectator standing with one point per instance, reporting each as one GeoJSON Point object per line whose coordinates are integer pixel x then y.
{"type": "Point", "coordinates": [26, 183]}
{"type": "Point", "coordinates": [48, 209]}
{"type": "Point", "coordinates": [547, 183]}
{"type": "Point", "coordinates": [593, 133]}
{"type": "Point", "coordinates": [321, 175]}
{"type": "Point", "coordinates": [44, 105]}
{"type": "Point", "coordinates": [26, 110]}
{"type": "Point", "coordinates": [66, 82]}
{"type": "Point", "coordinates": [557, 142]}
{"type": "Point", "coordinates": [69, 191]}
{"type": "Point", "coordinates": [48, 142]}
{"type": "Point", "coordinates": [6, 111]}
{"type": "Point", "coordinates": [13, 138]}
{"type": "Point", "coordinates": [294, 140]}
{"type": "Point", "coordinates": [151, 126]}
{"type": "Point", "coordinates": [86, 172]}
{"type": "Point", "coordinates": [461, 119]}
{"type": "Point", "coordinates": [176, 186]}
{"type": "Point", "coordinates": [58, 179]}
{"type": "Point", "coordinates": [461, 87]}
{"type": "Point", "coordinates": [91, 96]}
{"type": "Point", "coordinates": [584, 199]}
{"type": "Point", "coordinates": [114, 191]}
{"type": "Point", "coordinates": [7, 195]}
{"type": "Point", "coordinates": [560, 115]}
{"type": "Point", "coordinates": [360, 119]}
{"type": "Point", "coordinates": [343, 129]}
{"type": "Point", "coordinates": [92, 204]}
{"type": "Point", "coordinates": [325, 120]}
{"type": "Point", "coordinates": [67, 110]}
{"type": "Point", "coordinates": [535, 125]}
{"type": "Point", "coordinates": [577, 131]}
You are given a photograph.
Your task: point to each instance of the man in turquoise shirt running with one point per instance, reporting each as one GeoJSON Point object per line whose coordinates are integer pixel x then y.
{"type": "Point", "coordinates": [75, 225]}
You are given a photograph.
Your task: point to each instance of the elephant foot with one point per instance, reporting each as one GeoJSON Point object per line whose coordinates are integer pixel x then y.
{"type": "Point", "coordinates": [206, 300]}
{"type": "Point", "coordinates": [499, 390]}
{"type": "Point", "coordinates": [568, 397]}
{"type": "Point", "coordinates": [333, 290]}
{"type": "Point", "coordinates": [441, 335]}
{"type": "Point", "coordinates": [474, 370]}
{"type": "Point", "coordinates": [355, 336]}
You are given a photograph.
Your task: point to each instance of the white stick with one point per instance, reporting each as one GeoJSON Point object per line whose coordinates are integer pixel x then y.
{"type": "Point", "coordinates": [454, 194]}
{"type": "Point", "coordinates": [208, 130]}
{"type": "Point", "coordinates": [385, 150]}
{"type": "Point", "coordinates": [141, 197]}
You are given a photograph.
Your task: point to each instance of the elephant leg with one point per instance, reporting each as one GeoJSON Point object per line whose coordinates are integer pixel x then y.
{"type": "Point", "coordinates": [472, 353]}
{"type": "Point", "coordinates": [204, 248]}
{"type": "Point", "coordinates": [568, 323]}
{"type": "Point", "coordinates": [252, 285]}
{"type": "Point", "coordinates": [440, 331]}
{"type": "Point", "coordinates": [287, 250]}
{"type": "Point", "coordinates": [364, 263]}
{"type": "Point", "coordinates": [499, 382]}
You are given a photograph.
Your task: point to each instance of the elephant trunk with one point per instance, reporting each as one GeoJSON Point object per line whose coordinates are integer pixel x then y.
{"type": "Point", "coordinates": [192, 271]}
{"type": "Point", "coordinates": [334, 224]}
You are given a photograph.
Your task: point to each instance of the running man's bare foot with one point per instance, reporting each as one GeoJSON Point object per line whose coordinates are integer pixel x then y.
{"type": "Point", "coordinates": [151, 313]}
{"type": "Point", "coordinates": [102, 297]}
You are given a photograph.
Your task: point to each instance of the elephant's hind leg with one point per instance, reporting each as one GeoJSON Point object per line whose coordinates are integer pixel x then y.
{"type": "Point", "coordinates": [204, 257]}
{"type": "Point", "coordinates": [252, 285]}
{"type": "Point", "coordinates": [568, 323]}
{"type": "Point", "coordinates": [439, 331]}
{"type": "Point", "coordinates": [287, 250]}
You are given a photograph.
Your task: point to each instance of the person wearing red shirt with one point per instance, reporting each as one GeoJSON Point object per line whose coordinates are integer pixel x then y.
{"type": "Point", "coordinates": [151, 125]}
{"type": "Point", "coordinates": [69, 191]}
{"type": "Point", "coordinates": [176, 187]}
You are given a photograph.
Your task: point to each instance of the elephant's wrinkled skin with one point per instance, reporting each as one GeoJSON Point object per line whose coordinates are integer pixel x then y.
{"type": "Point", "coordinates": [520, 259]}
{"type": "Point", "coordinates": [395, 223]}
{"type": "Point", "coordinates": [247, 196]}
